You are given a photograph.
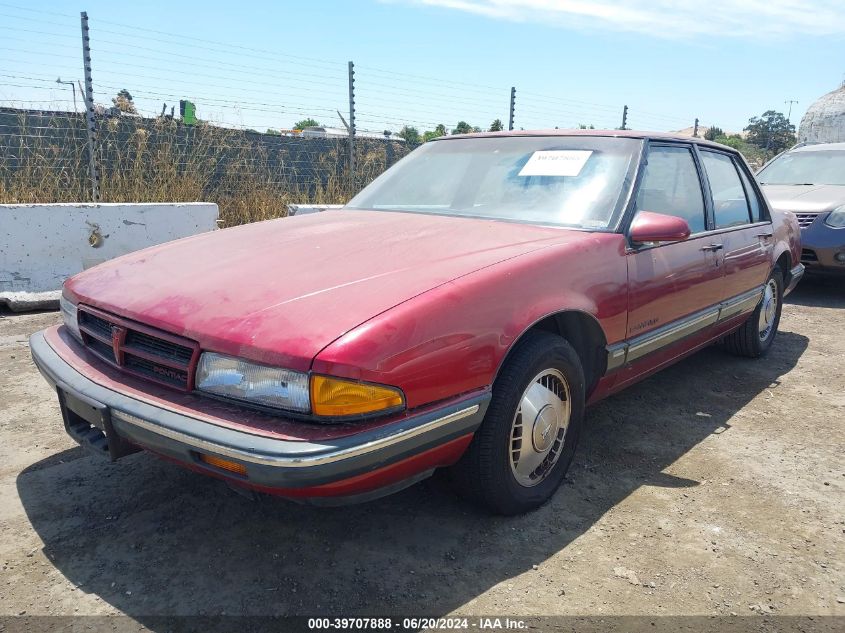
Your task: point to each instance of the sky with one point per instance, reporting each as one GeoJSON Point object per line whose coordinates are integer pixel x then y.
{"type": "Point", "coordinates": [422, 62]}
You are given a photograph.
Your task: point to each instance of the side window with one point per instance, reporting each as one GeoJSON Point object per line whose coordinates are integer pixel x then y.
{"type": "Point", "coordinates": [670, 185]}
{"type": "Point", "coordinates": [757, 213]}
{"type": "Point", "coordinates": [730, 206]}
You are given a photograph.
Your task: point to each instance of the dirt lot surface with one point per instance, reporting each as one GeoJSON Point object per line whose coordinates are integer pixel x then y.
{"type": "Point", "coordinates": [715, 487]}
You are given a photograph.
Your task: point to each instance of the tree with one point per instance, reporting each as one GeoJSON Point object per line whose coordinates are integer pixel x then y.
{"type": "Point", "coordinates": [462, 128]}
{"type": "Point", "coordinates": [586, 126]}
{"type": "Point", "coordinates": [713, 133]}
{"type": "Point", "coordinates": [440, 130]}
{"type": "Point", "coordinates": [304, 123]}
{"type": "Point", "coordinates": [772, 132]}
{"type": "Point", "coordinates": [496, 126]}
{"type": "Point", "coordinates": [410, 134]}
{"type": "Point", "coordinates": [735, 140]}
{"type": "Point", "coordinates": [753, 154]}
{"type": "Point", "coordinates": [123, 102]}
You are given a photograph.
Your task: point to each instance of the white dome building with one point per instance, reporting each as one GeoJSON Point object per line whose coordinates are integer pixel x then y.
{"type": "Point", "coordinates": [824, 121]}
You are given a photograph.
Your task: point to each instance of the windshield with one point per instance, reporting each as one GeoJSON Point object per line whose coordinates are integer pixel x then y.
{"type": "Point", "coordinates": [569, 181]}
{"type": "Point", "coordinates": [823, 167]}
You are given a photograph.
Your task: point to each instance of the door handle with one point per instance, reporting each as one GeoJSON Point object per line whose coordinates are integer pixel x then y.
{"type": "Point", "coordinates": [765, 236]}
{"type": "Point", "coordinates": [713, 247]}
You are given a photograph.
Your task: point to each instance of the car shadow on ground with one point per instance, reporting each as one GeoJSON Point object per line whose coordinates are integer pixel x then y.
{"type": "Point", "coordinates": [152, 539]}
{"type": "Point", "coordinates": [816, 291]}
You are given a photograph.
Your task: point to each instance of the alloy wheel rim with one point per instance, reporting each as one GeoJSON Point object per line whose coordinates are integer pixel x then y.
{"type": "Point", "coordinates": [539, 427]}
{"type": "Point", "coordinates": [768, 310]}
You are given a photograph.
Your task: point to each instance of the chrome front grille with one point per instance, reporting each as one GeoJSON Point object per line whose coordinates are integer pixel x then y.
{"type": "Point", "coordinates": [806, 219]}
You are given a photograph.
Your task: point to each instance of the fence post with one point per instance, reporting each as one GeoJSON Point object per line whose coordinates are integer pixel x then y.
{"type": "Point", "coordinates": [91, 123]}
{"type": "Point", "coordinates": [513, 105]}
{"type": "Point", "coordinates": [352, 127]}
{"type": "Point", "coordinates": [389, 153]}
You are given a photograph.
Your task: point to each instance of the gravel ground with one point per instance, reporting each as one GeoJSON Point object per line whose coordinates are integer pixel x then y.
{"type": "Point", "coordinates": [715, 487]}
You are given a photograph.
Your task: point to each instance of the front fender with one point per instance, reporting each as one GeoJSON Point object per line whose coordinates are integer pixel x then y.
{"type": "Point", "coordinates": [453, 338]}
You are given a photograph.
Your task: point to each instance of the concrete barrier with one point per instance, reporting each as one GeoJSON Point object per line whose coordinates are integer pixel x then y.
{"type": "Point", "coordinates": [41, 245]}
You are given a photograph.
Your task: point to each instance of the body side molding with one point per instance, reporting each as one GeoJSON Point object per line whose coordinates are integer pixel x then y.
{"type": "Point", "coordinates": [629, 350]}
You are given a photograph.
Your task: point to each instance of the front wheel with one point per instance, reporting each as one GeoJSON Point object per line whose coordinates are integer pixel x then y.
{"type": "Point", "coordinates": [522, 450]}
{"type": "Point", "coordinates": [754, 338]}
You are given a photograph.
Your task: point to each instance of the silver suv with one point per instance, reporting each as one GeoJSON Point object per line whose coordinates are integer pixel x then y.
{"type": "Point", "coordinates": [809, 180]}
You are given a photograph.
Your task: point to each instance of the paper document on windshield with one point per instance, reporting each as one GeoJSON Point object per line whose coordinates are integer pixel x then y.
{"type": "Point", "coordinates": [559, 162]}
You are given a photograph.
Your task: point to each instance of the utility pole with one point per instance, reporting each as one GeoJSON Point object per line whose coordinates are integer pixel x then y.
{"type": "Point", "coordinates": [91, 123]}
{"type": "Point", "coordinates": [625, 118]}
{"type": "Point", "coordinates": [789, 102]}
{"type": "Point", "coordinates": [351, 128]}
{"type": "Point", "coordinates": [695, 129]}
{"type": "Point", "coordinates": [512, 108]}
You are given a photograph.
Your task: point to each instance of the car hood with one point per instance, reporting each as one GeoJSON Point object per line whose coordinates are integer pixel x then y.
{"type": "Point", "coordinates": [280, 291]}
{"type": "Point", "coordinates": [805, 198]}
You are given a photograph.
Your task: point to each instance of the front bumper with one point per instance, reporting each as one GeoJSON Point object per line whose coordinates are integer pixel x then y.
{"type": "Point", "coordinates": [357, 464]}
{"type": "Point", "coordinates": [820, 246]}
{"type": "Point", "coordinates": [795, 275]}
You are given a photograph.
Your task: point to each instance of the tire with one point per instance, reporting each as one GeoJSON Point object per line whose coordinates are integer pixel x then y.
{"type": "Point", "coordinates": [749, 339]}
{"type": "Point", "coordinates": [495, 470]}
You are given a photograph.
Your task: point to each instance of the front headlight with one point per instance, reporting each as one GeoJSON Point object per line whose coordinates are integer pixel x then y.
{"type": "Point", "coordinates": [286, 389]}
{"type": "Point", "coordinates": [70, 318]}
{"type": "Point", "coordinates": [836, 218]}
{"type": "Point", "coordinates": [335, 397]}
{"type": "Point", "coordinates": [269, 386]}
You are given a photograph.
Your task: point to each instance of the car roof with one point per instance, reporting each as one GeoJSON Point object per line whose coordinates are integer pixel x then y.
{"type": "Point", "coordinates": [636, 134]}
{"type": "Point", "coordinates": [819, 147]}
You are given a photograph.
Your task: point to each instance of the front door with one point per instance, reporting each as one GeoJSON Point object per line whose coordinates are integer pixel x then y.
{"type": "Point", "coordinates": [674, 289]}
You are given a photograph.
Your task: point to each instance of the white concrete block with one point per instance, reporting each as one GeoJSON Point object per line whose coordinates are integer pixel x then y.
{"type": "Point", "coordinates": [41, 245]}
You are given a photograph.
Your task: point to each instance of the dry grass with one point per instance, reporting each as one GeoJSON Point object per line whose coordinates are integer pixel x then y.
{"type": "Point", "coordinates": [249, 176]}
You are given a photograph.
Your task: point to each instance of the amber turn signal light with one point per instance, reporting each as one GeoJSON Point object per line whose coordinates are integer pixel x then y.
{"type": "Point", "coordinates": [223, 464]}
{"type": "Point", "coordinates": [334, 397]}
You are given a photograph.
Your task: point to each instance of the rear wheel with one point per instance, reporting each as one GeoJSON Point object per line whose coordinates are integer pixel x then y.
{"type": "Point", "coordinates": [755, 337]}
{"type": "Point", "coordinates": [523, 449]}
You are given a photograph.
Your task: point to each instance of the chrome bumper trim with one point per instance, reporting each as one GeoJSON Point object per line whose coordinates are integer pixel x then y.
{"type": "Point", "coordinates": [795, 275]}
{"type": "Point", "coordinates": [293, 462]}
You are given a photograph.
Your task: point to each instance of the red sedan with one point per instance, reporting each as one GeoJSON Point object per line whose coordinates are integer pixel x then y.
{"type": "Point", "coordinates": [460, 312]}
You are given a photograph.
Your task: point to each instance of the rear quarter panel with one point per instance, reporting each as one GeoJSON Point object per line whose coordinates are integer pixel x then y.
{"type": "Point", "coordinates": [787, 237]}
{"type": "Point", "coordinates": [453, 339]}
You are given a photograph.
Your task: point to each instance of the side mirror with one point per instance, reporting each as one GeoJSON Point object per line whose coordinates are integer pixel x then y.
{"type": "Point", "coordinates": [657, 227]}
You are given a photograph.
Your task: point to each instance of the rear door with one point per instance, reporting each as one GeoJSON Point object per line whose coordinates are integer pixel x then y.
{"type": "Point", "coordinates": [673, 288]}
{"type": "Point", "coordinates": [739, 226]}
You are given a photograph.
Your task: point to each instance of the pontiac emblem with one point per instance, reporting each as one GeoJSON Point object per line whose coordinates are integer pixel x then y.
{"type": "Point", "coordinates": [118, 335]}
